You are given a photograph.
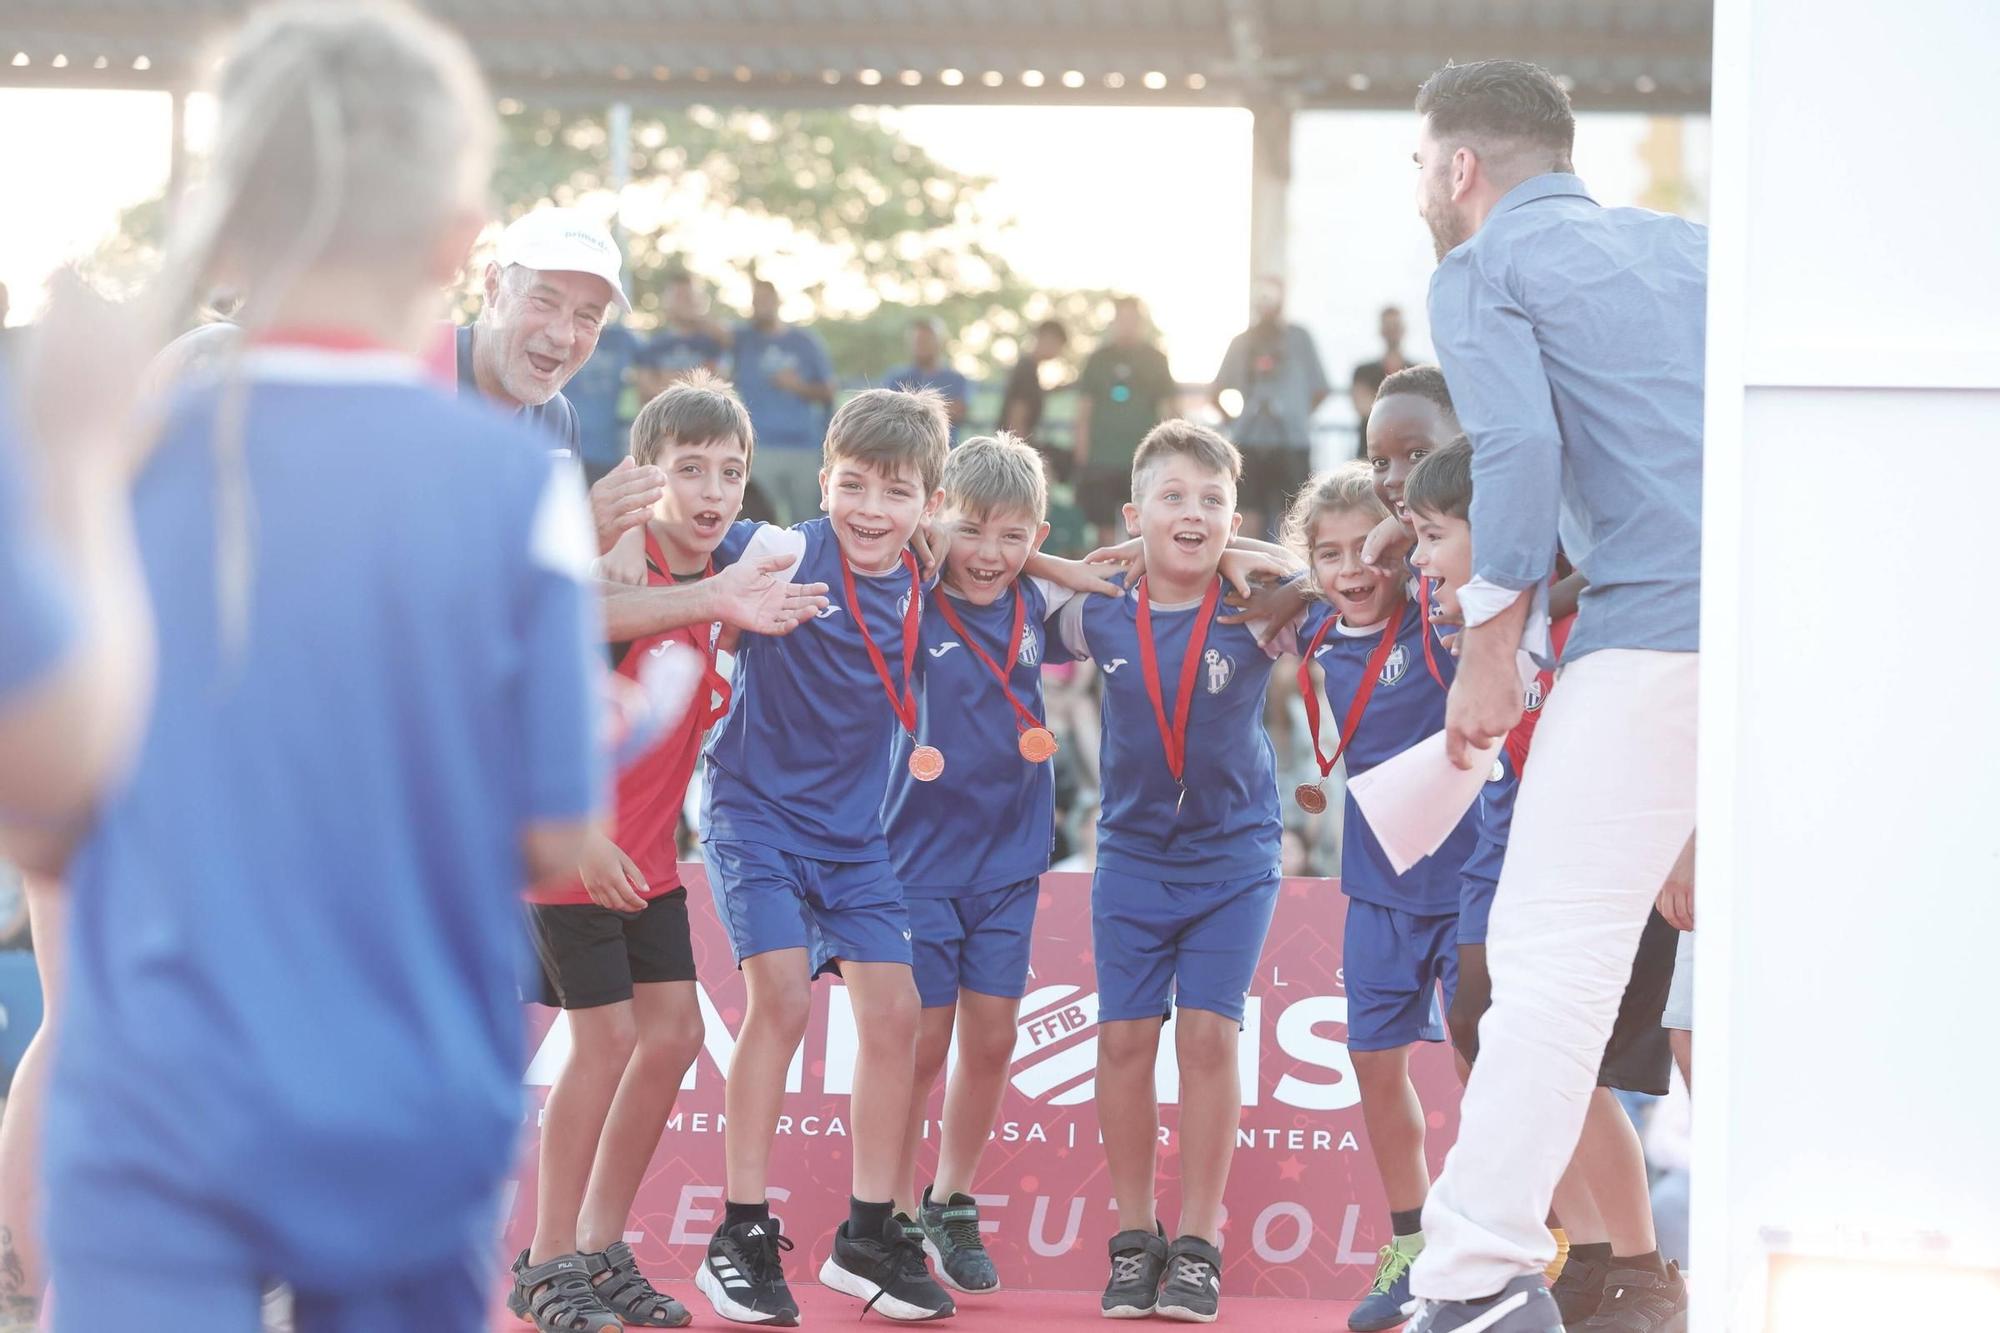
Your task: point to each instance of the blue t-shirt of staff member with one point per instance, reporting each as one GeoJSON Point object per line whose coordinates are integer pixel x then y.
{"type": "Point", "coordinates": [598, 393]}
{"type": "Point", "coordinates": [929, 370]}
{"type": "Point", "coordinates": [783, 375]}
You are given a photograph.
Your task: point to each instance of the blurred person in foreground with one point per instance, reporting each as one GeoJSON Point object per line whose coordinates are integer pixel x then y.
{"type": "Point", "coordinates": [81, 344]}
{"type": "Point", "coordinates": [292, 1044]}
{"type": "Point", "coordinates": [1275, 369]}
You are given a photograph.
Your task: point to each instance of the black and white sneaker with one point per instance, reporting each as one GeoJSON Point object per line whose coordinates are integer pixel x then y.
{"type": "Point", "coordinates": [744, 1275]}
{"type": "Point", "coordinates": [951, 1237]}
{"type": "Point", "coordinates": [1579, 1289]}
{"type": "Point", "coordinates": [1637, 1300]}
{"type": "Point", "coordinates": [1522, 1306]}
{"type": "Point", "coordinates": [888, 1272]}
{"type": "Point", "coordinates": [1192, 1291]}
{"type": "Point", "coordinates": [1138, 1259]}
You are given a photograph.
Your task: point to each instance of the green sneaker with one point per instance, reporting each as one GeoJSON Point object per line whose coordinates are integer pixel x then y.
{"type": "Point", "coordinates": [1389, 1302]}
{"type": "Point", "coordinates": [952, 1239]}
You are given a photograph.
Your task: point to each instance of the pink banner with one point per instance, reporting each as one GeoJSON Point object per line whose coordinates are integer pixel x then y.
{"type": "Point", "coordinates": [1305, 1209]}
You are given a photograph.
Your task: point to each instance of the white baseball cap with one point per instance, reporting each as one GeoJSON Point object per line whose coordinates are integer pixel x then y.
{"type": "Point", "coordinates": [563, 240]}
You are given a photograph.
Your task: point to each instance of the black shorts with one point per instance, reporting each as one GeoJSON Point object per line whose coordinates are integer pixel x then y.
{"type": "Point", "coordinates": [1638, 1058]}
{"type": "Point", "coordinates": [592, 956]}
{"type": "Point", "coordinates": [1272, 475]}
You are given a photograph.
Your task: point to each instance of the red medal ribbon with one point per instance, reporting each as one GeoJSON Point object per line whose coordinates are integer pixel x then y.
{"type": "Point", "coordinates": [1027, 718]}
{"type": "Point", "coordinates": [1362, 695]}
{"type": "Point", "coordinates": [716, 690]}
{"type": "Point", "coordinates": [1424, 604]}
{"type": "Point", "coordinates": [1174, 738]}
{"type": "Point", "coordinates": [905, 703]}
{"type": "Point", "coordinates": [326, 338]}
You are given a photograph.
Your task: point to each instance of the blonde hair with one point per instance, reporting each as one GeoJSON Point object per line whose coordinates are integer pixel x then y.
{"type": "Point", "coordinates": [889, 429]}
{"type": "Point", "coordinates": [1343, 489]}
{"type": "Point", "coordinates": [347, 133]}
{"type": "Point", "coordinates": [997, 474]}
{"type": "Point", "coordinates": [702, 408]}
{"type": "Point", "coordinates": [1177, 438]}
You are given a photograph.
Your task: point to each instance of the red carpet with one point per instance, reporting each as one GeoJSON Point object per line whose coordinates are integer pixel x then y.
{"type": "Point", "coordinates": [1007, 1311]}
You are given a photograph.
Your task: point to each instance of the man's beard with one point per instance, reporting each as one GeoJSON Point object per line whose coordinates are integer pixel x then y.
{"type": "Point", "coordinates": [1448, 230]}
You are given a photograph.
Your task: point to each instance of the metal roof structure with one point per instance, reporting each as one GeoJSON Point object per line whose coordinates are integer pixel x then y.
{"type": "Point", "coordinates": [1629, 55]}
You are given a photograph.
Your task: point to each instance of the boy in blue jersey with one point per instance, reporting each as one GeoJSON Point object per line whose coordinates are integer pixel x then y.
{"type": "Point", "coordinates": [1188, 853]}
{"type": "Point", "coordinates": [1385, 684]}
{"type": "Point", "coordinates": [798, 861]}
{"type": "Point", "coordinates": [1609, 1277]}
{"type": "Point", "coordinates": [970, 847]}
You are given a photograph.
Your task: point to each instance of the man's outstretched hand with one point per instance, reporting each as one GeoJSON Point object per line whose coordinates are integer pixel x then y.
{"type": "Point", "coordinates": [752, 595]}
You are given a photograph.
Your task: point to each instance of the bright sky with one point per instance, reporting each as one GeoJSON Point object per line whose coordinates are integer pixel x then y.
{"type": "Point", "coordinates": [1154, 201]}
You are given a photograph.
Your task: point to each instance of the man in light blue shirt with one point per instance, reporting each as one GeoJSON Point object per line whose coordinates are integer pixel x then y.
{"type": "Point", "coordinates": [1572, 338]}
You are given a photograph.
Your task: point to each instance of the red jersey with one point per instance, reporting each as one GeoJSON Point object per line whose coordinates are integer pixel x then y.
{"type": "Point", "coordinates": [652, 788]}
{"type": "Point", "coordinates": [1523, 734]}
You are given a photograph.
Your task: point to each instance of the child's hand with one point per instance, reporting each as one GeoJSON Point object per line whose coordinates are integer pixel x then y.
{"type": "Point", "coordinates": [752, 595]}
{"type": "Point", "coordinates": [622, 498]}
{"type": "Point", "coordinates": [1676, 900]}
{"type": "Point", "coordinates": [1246, 570]}
{"type": "Point", "coordinates": [930, 543]}
{"type": "Point", "coordinates": [1078, 576]}
{"type": "Point", "coordinates": [625, 562]}
{"type": "Point", "coordinates": [610, 878]}
{"type": "Point", "coordinates": [1272, 611]}
{"type": "Point", "coordinates": [1387, 546]}
{"type": "Point", "coordinates": [1130, 556]}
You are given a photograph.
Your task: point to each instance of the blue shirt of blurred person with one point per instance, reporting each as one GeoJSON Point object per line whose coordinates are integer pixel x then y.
{"type": "Point", "coordinates": [34, 608]}
{"type": "Point", "coordinates": [780, 418]}
{"type": "Point", "coordinates": [954, 387]}
{"type": "Point", "coordinates": [295, 935]}
{"type": "Point", "coordinates": [597, 391]}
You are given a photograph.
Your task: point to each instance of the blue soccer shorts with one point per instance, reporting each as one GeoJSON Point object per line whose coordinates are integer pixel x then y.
{"type": "Point", "coordinates": [1393, 963]}
{"type": "Point", "coordinates": [771, 899]}
{"type": "Point", "coordinates": [1160, 943]}
{"type": "Point", "coordinates": [973, 941]}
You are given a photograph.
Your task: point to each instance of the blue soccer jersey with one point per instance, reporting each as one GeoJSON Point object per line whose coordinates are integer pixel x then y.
{"type": "Point", "coordinates": [34, 604]}
{"type": "Point", "coordinates": [989, 821]}
{"type": "Point", "coordinates": [1226, 825]}
{"type": "Point", "coordinates": [1407, 706]}
{"type": "Point", "coordinates": [802, 760]}
{"type": "Point", "coordinates": [291, 1010]}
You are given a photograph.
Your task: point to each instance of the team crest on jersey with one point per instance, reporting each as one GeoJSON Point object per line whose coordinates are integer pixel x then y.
{"type": "Point", "coordinates": [1220, 669]}
{"type": "Point", "coordinates": [1031, 649]}
{"type": "Point", "coordinates": [1532, 701]}
{"type": "Point", "coordinates": [1397, 663]}
{"type": "Point", "coordinates": [903, 605]}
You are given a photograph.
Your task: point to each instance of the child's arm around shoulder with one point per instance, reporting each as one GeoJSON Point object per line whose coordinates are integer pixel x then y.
{"type": "Point", "coordinates": [752, 591]}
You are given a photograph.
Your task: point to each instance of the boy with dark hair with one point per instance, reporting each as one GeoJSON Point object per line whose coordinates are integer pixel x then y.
{"type": "Point", "coordinates": [1611, 1278]}
{"type": "Point", "coordinates": [799, 864]}
{"type": "Point", "coordinates": [1188, 854]}
{"type": "Point", "coordinates": [613, 944]}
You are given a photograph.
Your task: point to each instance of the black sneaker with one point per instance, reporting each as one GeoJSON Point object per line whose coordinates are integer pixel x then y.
{"type": "Point", "coordinates": [744, 1275]}
{"type": "Point", "coordinates": [1192, 1291]}
{"type": "Point", "coordinates": [1639, 1301]}
{"type": "Point", "coordinates": [1522, 1306]}
{"type": "Point", "coordinates": [1579, 1289]}
{"type": "Point", "coordinates": [911, 1227]}
{"type": "Point", "coordinates": [951, 1237]}
{"type": "Point", "coordinates": [1138, 1259]}
{"type": "Point", "coordinates": [888, 1272]}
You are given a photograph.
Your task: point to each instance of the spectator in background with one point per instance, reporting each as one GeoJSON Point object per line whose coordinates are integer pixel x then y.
{"type": "Point", "coordinates": [1125, 390]}
{"type": "Point", "coordinates": [687, 339]}
{"type": "Point", "coordinates": [598, 392]}
{"type": "Point", "coordinates": [1368, 376]}
{"type": "Point", "coordinates": [929, 370]}
{"type": "Point", "coordinates": [1021, 406]}
{"type": "Point", "coordinates": [1276, 369]}
{"type": "Point", "coordinates": [785, 378]}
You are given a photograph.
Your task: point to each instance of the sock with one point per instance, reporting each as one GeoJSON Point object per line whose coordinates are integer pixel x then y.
{"type": "Point", "coordinates": [1555, 1268]}
{"type": "Point", "coordinates": [1598, 1252]}
{"type": "Point", "coordinates": [1407, 1223]}
{"type": "Point", "coordinates": [1648, 1262]}
{"type": "Point", "coordinates": [734, 1213]}
{"type": "Point", "coordinates": [866, 1220]}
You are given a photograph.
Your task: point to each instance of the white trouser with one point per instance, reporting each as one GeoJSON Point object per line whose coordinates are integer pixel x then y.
{"type": "Point", "coordinates": [1606, 805]}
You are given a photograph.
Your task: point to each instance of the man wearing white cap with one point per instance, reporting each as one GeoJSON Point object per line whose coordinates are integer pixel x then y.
{"type": "Point", "coordinates": [549, 288]}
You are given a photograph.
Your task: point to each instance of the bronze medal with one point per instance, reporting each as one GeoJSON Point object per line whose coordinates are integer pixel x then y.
{"type": "Point", "coordinates": [1311, 798]}
{"type": "Point", "coordinates": [1037, 744]}
{"type": "Point", "coordinates": [926, 763]}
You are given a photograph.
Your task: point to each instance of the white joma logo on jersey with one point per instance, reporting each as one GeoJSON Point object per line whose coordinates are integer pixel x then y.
{"type": "Point", "coordinates": [944, 648]}
{"type": "Point", "coordinates": [1112, 666]}
{"type": "Point", "coordinates": [828, 610]}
